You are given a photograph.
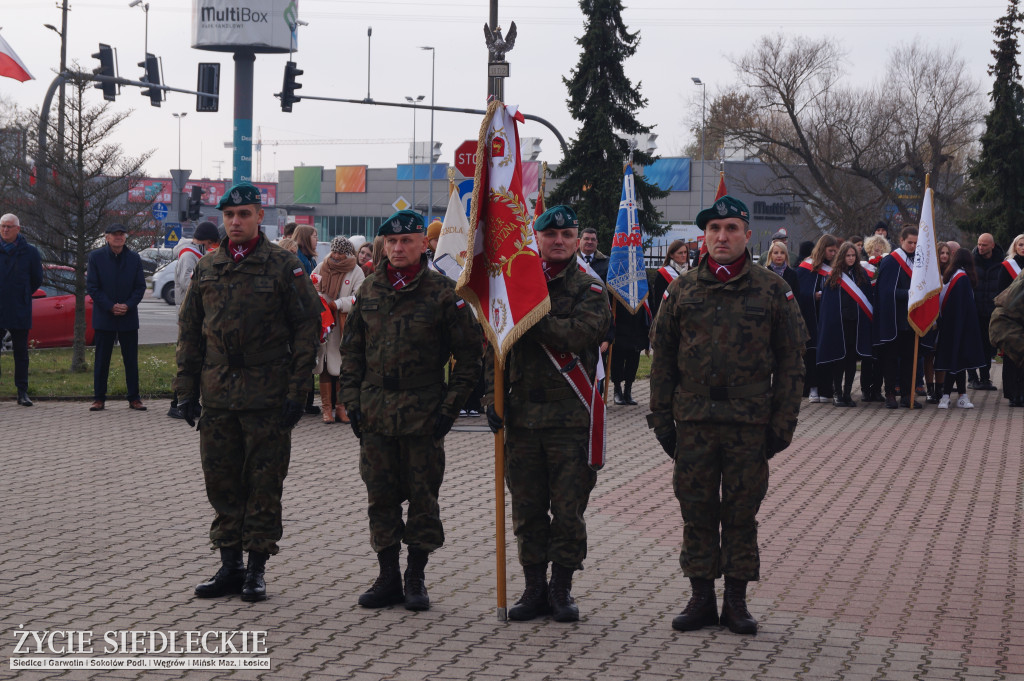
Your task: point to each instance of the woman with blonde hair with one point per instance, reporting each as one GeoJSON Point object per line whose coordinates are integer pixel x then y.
{"type": "Point", "coordinates": [339, 279]}
{"type": "Point", "coordinates": [1013, 376]}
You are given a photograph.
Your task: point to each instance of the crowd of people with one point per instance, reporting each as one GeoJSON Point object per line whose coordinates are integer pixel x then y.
{"type": "Point", "coordinates": [853, 297]}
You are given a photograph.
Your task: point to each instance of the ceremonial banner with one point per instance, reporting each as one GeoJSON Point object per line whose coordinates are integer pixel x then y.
{"type": "Point", "coordinates": [925, 280]}
{"type": "Point", "coordinates": [450, 253]}
{"type": "Point", "coordinates": [503, 279]}
{"type": "Point", "coordinates": [11, 65]}
{"type": "Point", "coordinates": [718, 194]}
{"type": "Point", "coordinates": [627, 276]}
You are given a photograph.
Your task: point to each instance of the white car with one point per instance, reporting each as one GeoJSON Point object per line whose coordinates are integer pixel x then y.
{"type": "Point", "coordinates": [163, 282]}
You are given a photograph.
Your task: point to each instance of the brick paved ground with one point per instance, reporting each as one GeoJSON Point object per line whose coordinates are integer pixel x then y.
{"type": "Point", "coordinates": [880, 560]}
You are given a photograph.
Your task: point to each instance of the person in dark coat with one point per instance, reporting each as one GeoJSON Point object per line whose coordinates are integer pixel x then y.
{"type": "Point", "coordinates": [21, 273]}
{"type": "Point", "coordinates": [844, 325]}
{"type": "Point", "coordinates": [115, 280]}
{"type": "Point", "coordinates": [893, 337]}
{"type": "Point", "coordinates": [631, 338]}
{"type": "Point", "coordinates": [778, 262]}
{"type": "Point", "coordinates": [676, 263]}
{"type": "Point", "coordinates": [988, 265]}
{"type": "Point", "coordinates": [959, 345]}
{"type": "Point", "coordinates": [1013, 374]}
{"type": "Point", "coordinates": [812, 272]}
{"type": "Point", "coordinates": [589, 254]}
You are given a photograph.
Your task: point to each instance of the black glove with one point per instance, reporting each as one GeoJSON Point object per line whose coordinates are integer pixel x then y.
{"type": "Point", "coordinates": [291, 412]}
{"type": "Point", "coordinates": [190, 410]}
{"type": "Point", "coordinates": [442, 424]}
{"type": "Point", "coordinates": [355, 417]}
{"type": "Point", "coordinates": [667, 441]}
{"type": "Point", "coordinates": [494, 421]}
{"type": "Point", "coordinates": [773, 444]}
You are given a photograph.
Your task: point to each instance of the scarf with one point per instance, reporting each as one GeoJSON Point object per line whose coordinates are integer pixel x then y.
{"type": "Point", "coordinates": [400, 277]}
{"type": "Point", "coordinates": [724, 273]}
{"type": "Point", "coordinates": [239, 251]}
{"type": "Point", "coordinates": [333, 274]}
{"type": "Point", "coordinates": [553, 269]}
{"type": "Point", "coordinates": [777, 269]}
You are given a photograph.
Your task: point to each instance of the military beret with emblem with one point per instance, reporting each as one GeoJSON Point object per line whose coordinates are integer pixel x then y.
{"type": "Point", "coordinates": [403, 222]}
{"type": "Point", "coordinates": [557, 217]}
{"type": "Point", "coordinates": [242, 194]}
{"type": "Point", "coordinates": [722, 209]}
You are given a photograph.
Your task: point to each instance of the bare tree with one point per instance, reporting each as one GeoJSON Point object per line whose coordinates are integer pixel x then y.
{"type": "Point", "coordinates": [86, 192]}
{"type": "Point", "coordinates": [851, 154]}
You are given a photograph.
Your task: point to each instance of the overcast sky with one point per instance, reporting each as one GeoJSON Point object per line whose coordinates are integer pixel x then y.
{"type": "Point", "coordinates": [678, 40]}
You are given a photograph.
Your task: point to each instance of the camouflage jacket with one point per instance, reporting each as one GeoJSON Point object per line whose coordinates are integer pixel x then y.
{"type": "Point", "coordinates": [537, 395]}
{"type": "Point", "coordinates": [728, 353]}
{"type": "Point", "coordinates": [395, 347]}
{"type": "Point", "coordinates": [248, 332]}
{"type": "Point", "coordinates": [1006, 329]}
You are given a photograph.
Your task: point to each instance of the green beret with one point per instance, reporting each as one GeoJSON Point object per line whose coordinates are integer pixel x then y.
{"type": "Point", "coordinates": [725, 207]}
{"type": "Point", "coordinates": [402, 222]}
{"type": "Point", "coordinates": [242, 194]}
{"type": "Point", "coordinates": [559, 217]}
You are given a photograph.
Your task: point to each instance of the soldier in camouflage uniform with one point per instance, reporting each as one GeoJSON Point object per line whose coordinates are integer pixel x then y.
{"type": "Point", "coordinates": [547, 434]}
{"type": "Point", "coordinates": [726, 382]}
{"type": "Point", "coordinates": [248, 332]}
{"type": "Point", "coordinates": [405, 324]}
{"type": "Point", "coordinates": [1006, 328]}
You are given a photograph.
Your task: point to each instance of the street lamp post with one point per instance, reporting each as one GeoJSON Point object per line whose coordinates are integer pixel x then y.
{"type": "Point", "coordinates": [63, 66]}
{"type": "Point", "coordinates": [145, 9]}
{"type": "Point", "coordinates": [703, 106]}
{"type": "Point", "coordinates": [179, 116]}
{"type": "Point", "coordinates": [414, 102]}
{"type": "Point", "coordinates": [430, 173]}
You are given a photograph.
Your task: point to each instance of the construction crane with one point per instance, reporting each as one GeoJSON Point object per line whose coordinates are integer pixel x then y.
{"type": "Point", "coordinates": [313, 142]}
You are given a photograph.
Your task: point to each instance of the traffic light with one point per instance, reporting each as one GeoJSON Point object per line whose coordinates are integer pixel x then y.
{"type": "Point", "coordinates": [106, 68]}
{"type": "Point", "coordinates": [291, 72]}
{"type": "Point", "coordinates": [195, 203]}
{"type": "Point", "coordinates": [152, 75]}
{"type": "Point", "coordinates": [209, 83]}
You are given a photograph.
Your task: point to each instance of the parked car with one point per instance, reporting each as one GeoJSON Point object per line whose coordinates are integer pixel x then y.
{"type": "Point", "coordinates": [163, 283]}
{"type": "Point", "coordinates": [53, 311]}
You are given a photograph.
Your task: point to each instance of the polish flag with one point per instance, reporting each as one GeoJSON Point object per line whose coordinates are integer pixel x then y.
{"type": "Point", "coordinates": [11, 65]}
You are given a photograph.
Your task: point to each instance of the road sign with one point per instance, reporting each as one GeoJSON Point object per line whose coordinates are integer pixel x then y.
{"type": "Point", "coordinates": [172, 233]}
{"type": "Point", "coordinates": [159, 211]}
{"type": "Point", "coordinates": [466, 195]}
{"type": "Point", "coordinates": [401, 204]}
{"type": "Point", "coordinates": [465, 158]}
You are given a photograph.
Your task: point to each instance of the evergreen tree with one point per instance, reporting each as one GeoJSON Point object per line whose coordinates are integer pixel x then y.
{"type": "Point", "coordinates": [605, 102]}
{"type": "Point", "coordinates": [998, 175]}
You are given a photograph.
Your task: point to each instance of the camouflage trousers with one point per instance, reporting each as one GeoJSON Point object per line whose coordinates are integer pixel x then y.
{"type": "Point", "coordinates": [720, 479]}
{"type": "Point", "coordinates": [546, 470]}
{"type": "Point", "coordinates": [245, 460]}
{"type": "Point", "coordinates": [397, 469]}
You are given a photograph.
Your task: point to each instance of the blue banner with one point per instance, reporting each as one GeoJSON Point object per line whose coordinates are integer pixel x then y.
{"type": "Point", "coordinates": [627, 276]}
{"type": "Point", "coordinates": [670, 174]}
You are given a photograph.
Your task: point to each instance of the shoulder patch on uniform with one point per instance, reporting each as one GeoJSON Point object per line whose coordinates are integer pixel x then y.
{"type": "Point", "coordinates": [789, 295]}
{"type": "Point", "coordinates": [596, 288]}
{"type": "Point", "coordinates": [297, 271]}
{"type": "Point", "coordinates": [460, 303]}
{"type": "Point", "coordinates": [665, 295]}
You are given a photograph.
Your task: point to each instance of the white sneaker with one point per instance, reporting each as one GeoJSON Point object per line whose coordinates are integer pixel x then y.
{"type": "Point", "coordinates": [944, 402]}
{"type": "Point", "coordinates": [814, 399]}
{"type": "Point", "coordinates": [964, 402]}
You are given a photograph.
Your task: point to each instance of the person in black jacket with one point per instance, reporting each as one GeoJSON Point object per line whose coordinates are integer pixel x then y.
{"type": "Point", "coordinates": [988, 263]}
{"type": "Point", "coordinates": [778, 262]}
{"type": "Point", "coordinates": [21, 273]}
{"type": "Point", "coordinates": [115, 280]}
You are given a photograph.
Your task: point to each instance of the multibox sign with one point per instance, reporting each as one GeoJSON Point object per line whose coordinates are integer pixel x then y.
{"type": "Point", "coordinates": [256, 25]}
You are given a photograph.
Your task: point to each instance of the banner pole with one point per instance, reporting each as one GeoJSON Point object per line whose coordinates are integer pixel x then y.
{"type": "Point", "coordinates": [913, 371]}
{"type": "Point", "coordinates": [608, 365]}
{"type": "Point", "coordinates": [499, 492]}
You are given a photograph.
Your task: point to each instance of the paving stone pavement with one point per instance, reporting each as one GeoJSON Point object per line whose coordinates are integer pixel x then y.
{"type": "Point", "coordinates": [891, 550]}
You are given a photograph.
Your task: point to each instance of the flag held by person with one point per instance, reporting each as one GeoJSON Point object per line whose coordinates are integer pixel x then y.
{"type": "Point", "coordinates": [503, 278]}
{"type": "Point", "coordinates": [450, 253]}
{"type": "Point", "coordinates": [11, 65]}
{"type": "Point", "coordinates": [627, 276]}
{"type": "Point", "coordinates": [925, 279]}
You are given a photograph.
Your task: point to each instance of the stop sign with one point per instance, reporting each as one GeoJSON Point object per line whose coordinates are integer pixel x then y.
{"type": "Point", "coordinates": [465, 158]}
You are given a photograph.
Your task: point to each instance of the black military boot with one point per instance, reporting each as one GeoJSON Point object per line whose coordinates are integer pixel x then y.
{"type": "Point", "coordinates": [387, 590]}
{"type": "Point", "coordinates": [701, 610]}
{"type": "Point", "coordinates": [534, 601]}
{"type": "Point", "coordinates": [23, 398]}
{"type": "Point", "coordinates": [618, 394]}
{"type": "Point", "coordinates": [559, 595]}
{"type": "Point", "coordinates": [255, 587]}
{"type": "Point", "coordinates": [415, 587]}
{"type": "Point", "coordinates": [734, 608]}
{"type": "Point", "coordinates": [627, 393]}
{"type": "Point", "coordinates": [228, 579]}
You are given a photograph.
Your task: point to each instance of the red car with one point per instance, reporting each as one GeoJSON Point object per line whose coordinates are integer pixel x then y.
{"type": "Point", "coordinates": [53, 310]}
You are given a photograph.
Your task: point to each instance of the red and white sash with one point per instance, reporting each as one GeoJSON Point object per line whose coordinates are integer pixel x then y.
{"type": "Point", "coordinates": [191, 250]}
{"type": "Point", "coordinates": [850, 286]}
{"type": "Point", "coordinates": [945, 289]}
{"type": "Point", "coordinates": [901, 258]}
{"type": "Point", "coordinates": [669, 274]}
{"type": "Point", "coordinates": [823, 270]}
{"type": "Point", "coordinates": [1012, 267]}
{"type": "Point", "coordinates": [571, 368]}
{"type": "Point", "coordinates": [868, 267]}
